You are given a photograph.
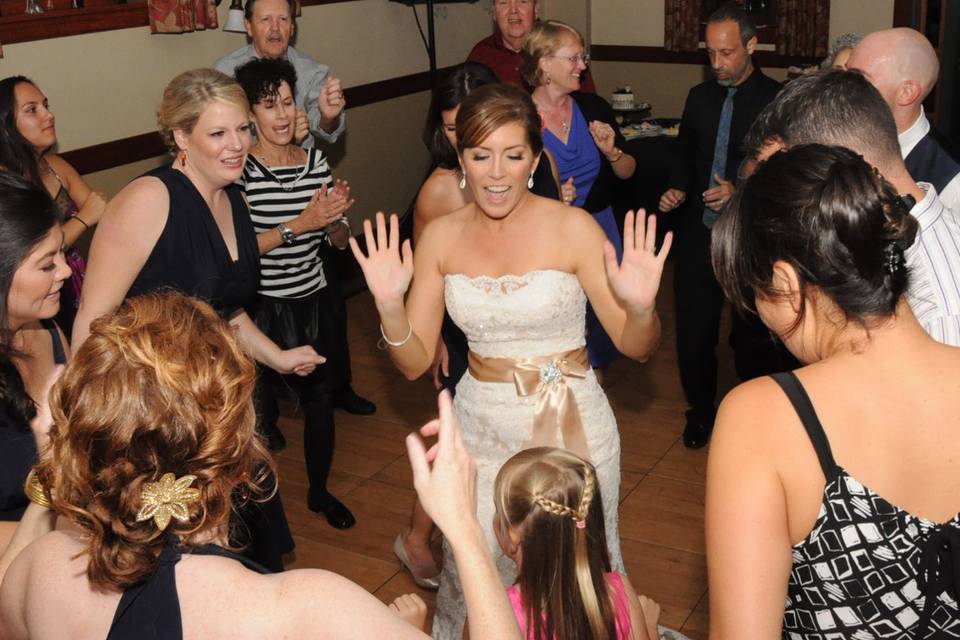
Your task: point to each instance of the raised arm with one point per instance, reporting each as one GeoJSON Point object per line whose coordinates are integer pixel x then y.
{"type": "Point", "coordinates": [127, 233]}
{"type": "Point", "coordinates": [410, 329]}
{"type": "Point", "coordinates": [623, 295]}
{"type": "Point", "coordinates": [748, 539]}
{"type": "Point", "coordinates": [447, 491]}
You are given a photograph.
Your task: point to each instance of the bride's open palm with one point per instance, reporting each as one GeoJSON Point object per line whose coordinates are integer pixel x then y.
{"type": "Point", "coordinates": [388, 265]}
{"type": "Point", "coordinates": [636, 279]}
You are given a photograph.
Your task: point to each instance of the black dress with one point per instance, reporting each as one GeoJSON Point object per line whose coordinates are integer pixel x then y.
{"type": "Point", "coordinates": [191, 256]}
{"type": "Point", "coordinates": [151, 609]}
{"type": "Point", "coordinates": [18, 448]}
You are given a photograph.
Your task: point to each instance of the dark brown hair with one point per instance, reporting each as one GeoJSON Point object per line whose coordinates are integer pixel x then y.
{"type": "Point", "coordinates": [160, 386]}
{"type": "Point", "coordinates": [492, 106]}
{"type": "Point", "coordinates": [540, 494]}
{"type": "Point", "coordinates": [831, 216]}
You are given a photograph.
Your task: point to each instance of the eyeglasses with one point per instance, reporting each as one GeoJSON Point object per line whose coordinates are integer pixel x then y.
{"type": "Point", "coordinates": [574, 60]}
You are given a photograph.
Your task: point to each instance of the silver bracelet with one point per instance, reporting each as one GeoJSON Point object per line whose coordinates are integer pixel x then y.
{"type": "Point", "coordinates": [386, 341]}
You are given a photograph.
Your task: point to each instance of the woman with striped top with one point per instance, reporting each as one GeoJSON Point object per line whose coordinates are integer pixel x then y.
{"type": "Point", "coordinates": [296, 207]}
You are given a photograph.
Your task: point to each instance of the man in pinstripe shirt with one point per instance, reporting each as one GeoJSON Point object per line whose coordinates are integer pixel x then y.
{"type": "Point", "coordinates": [838, 107]}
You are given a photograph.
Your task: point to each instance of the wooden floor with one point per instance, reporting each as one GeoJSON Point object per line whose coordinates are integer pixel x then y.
{"type": "Point", "coordinates": [662, 490]}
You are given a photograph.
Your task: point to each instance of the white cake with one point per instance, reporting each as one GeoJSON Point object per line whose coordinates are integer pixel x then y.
{"type": "Point", "coordinates": [623, 99]}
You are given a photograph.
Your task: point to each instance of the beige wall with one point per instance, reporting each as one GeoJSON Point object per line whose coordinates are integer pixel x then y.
{"type": "Point", "coordinates": [665, 86]}
{"type": "Point", "coordinates": [640, 22]}
{"type": "Point", "coordinates": [104, 86]}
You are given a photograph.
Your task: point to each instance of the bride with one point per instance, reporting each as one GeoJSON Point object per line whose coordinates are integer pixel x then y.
{"type": "Point", "coordinates": [515, 272]}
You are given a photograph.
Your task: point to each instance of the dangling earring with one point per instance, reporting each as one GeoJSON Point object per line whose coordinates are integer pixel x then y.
{"type": "Point", "coordinates": [463, 181]}
{"type": "Point", "coordinates": [548, 81]}
{"type": "Point", "coordinates": [530, 181]}
{"type": "Point", "coordinates": [183, 159]}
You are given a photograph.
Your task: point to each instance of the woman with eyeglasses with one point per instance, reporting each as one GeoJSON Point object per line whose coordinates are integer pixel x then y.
{"type": "Point", "coordinates": [581, 134]}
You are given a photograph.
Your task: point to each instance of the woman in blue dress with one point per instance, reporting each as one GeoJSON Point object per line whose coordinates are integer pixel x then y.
{"type": "Point", "coordinates": [580, 133]}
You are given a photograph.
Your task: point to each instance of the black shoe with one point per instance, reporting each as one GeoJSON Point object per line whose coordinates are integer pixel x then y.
{"type": "Point", "coordinates": [349, 401]}
{"type": "Point", "coordinates": [697, 432]}
{"type": "Point", "coordinates": [335, 511]}
{"type": "Point", "coordinates": [275, 440]}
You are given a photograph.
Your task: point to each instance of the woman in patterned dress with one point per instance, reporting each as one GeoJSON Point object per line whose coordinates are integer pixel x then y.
{"type": "Point", "coordinates": [832, 489]}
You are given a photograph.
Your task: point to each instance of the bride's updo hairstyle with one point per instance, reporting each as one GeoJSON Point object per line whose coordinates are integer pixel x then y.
{"type": "Point", "coordinates": [831, 216]}
{"type": "Point", "coordinates": [160, 386]}
{"type": "Point", "coordinates": [492, 106]}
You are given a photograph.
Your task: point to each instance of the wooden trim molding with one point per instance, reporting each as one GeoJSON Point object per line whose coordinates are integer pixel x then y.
{"type": "Point", "coordinates": [71, 22]}
{"type": "Point", "coordinates": [631, 53]}
{"type": "Point", "coordinates": [905, 13]}
{"type": "Point", "coordinates": [59, 23]}
{"type": "Point", "coordinates": [117, 153]}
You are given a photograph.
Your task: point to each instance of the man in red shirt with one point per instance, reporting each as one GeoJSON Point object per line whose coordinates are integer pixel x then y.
{"type": "Point", "coordinates": [501, 50]}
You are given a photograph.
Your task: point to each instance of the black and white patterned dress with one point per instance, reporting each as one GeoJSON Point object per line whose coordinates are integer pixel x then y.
{"type": "Point", "coordinates": [868, 568]}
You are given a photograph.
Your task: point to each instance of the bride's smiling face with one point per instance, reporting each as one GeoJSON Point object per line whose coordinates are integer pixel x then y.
{"type": "Point", "coordinates": [498, 169]}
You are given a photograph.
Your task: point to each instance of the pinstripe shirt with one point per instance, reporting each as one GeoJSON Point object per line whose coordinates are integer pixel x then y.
{"type": "Point", "coordinates": [933, 291]}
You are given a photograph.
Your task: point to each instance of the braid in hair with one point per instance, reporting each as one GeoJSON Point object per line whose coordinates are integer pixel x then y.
{"type": "Point", "coordinates": [580, 515]}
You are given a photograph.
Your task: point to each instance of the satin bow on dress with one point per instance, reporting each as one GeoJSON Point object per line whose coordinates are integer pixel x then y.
{"type": "Point", "coordinates": [545, 377]}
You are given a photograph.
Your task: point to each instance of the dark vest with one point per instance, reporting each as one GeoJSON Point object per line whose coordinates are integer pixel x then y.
{"type": "Point", "coordinates": [929, 162]}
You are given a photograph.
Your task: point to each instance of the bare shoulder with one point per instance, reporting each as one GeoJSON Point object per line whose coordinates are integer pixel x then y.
{"type": "Point", "coordinates": [143, 203]}
{"type": "Point", "coordinates": [576, 226]}
{"type": "Point", "coordinates": [441, 186]}
{"type": "Point", "coordinates": [51, 559]}
{"type": "Point", "coordinates": [754, 417]}
{"type": "Point", "coordinates": [439, 195]}
{"type": "Point", "coordinates": [63, 169]}
{"type": "Point", "coordinates": [440, 232]}
{"type": "Point", "coordinates": [304, 603]}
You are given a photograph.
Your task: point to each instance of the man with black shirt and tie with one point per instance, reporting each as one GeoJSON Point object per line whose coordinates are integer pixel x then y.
{"type": "Point", "coordinates": [716, 117]}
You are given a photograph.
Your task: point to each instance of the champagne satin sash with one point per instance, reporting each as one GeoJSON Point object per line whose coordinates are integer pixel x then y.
{"type": "Point", "coordinates": [546, 377]}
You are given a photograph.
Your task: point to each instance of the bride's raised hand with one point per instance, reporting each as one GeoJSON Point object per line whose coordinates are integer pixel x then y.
{"type": "Point", "coordinates": [636, 279]}
{"type": "Point", "coordinates": [388, 265]}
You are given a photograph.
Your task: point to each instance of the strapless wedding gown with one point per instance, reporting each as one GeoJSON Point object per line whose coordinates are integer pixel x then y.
{"type": "Point", "coordinates": [536, 314]}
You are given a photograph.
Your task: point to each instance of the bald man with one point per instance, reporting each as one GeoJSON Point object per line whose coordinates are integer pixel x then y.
{"type": "Point", "coordinates": [903, 66]}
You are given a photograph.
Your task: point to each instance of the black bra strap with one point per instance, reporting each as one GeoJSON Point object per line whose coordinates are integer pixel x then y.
{"type": "Point", "coordinates": [808, 416]}
{"type": "Point", "coordinates": [59, 354]}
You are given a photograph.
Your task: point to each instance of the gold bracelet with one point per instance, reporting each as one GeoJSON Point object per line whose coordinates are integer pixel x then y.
{"type": "Point", "coordinates": [36, 492]}
{"type": "Point", "coordinates": [619, 155]}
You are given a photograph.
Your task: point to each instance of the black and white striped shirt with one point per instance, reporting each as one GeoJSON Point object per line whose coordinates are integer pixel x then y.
{"type": "Point", "coordinates": [280, 194]}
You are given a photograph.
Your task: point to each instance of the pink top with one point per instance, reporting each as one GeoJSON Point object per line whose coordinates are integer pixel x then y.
{"type": "Point", "coordinates": [621, 607]}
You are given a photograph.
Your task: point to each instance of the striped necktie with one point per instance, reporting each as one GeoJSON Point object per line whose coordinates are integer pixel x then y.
{"type": "Point", "coordinates": [719, 167]}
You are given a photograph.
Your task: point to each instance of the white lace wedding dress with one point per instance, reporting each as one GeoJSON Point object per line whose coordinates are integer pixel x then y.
{"type": "Point", "coordinates": [537, 314]}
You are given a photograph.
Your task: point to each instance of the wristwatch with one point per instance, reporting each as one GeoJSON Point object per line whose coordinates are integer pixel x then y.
{"type": "Point", "coordinates": [286, 234]}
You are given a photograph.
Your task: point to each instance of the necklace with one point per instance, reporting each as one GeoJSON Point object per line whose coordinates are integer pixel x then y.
{"type": "Point", "coordinates": [290, 161]}
{"type": "Point", "coordinates": [554, 114]}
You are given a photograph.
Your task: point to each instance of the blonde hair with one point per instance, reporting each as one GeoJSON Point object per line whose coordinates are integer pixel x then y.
{"type": "Point", "coordinates": [160, 386]}
{"type": "Point", "coordinates": [545, 39]}
{"type": "Point", "coordinates": [550, 498]}
{"type": "Point", "coordinates": [187, 96]}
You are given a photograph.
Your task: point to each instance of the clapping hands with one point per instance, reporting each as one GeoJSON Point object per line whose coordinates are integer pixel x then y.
{"type": "Point", "coordinates": [325, 207]}
{"type": "Point", "coordinates": [636, 279]}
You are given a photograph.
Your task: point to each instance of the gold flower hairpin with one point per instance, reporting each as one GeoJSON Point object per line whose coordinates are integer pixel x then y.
{"type": "Point", "coordinates": [167, 498]}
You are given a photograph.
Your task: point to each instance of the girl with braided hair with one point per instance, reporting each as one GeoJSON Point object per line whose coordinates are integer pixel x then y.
{"type": "Point", "coordinates": [549, 519]}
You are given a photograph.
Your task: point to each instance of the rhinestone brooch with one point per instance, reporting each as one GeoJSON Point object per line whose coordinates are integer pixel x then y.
{"type": "Point", "coordinates": [550, 373]}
